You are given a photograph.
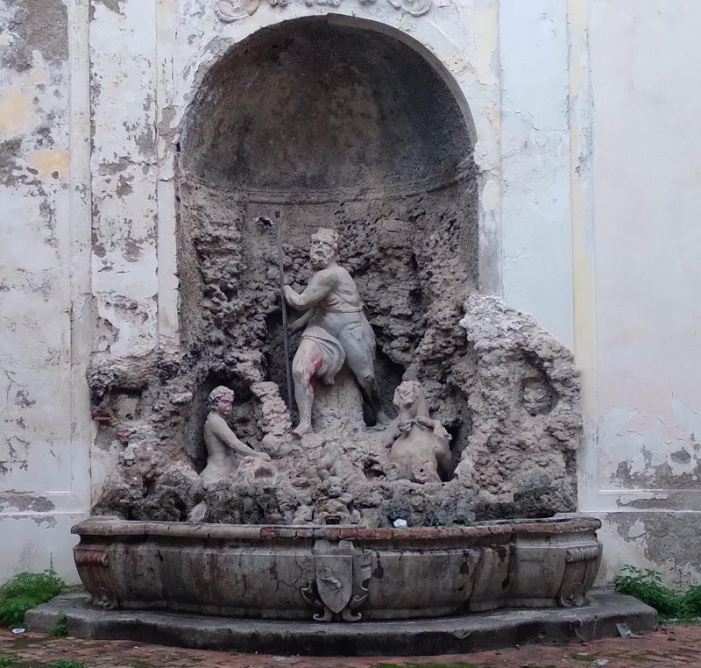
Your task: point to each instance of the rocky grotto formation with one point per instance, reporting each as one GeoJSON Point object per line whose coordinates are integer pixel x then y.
{"type": "Point", "coordinates": [388, 166]}
{"type": "Point", "coordinates": [504, 393]}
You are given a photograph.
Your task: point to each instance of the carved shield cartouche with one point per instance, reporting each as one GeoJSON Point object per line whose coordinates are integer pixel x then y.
{"type": "Point", "coordinates": [334, 573]}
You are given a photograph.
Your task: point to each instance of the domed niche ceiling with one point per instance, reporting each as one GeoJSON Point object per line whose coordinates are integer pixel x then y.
{"type": "Point", "coordinates": [310, 124]}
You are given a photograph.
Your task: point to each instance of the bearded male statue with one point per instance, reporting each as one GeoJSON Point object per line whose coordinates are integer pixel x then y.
{"type": "Point", "coordinates": [336, 332]}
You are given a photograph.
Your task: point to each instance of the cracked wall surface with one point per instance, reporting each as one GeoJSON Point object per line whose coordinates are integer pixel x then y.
{"type": "Point", "coordinates": [641, 462]}
{"type": "Point", "coordinates": [35, 286]}
{"type": "Point", "coordinates": [585, 174]}
{"type": "Point", "coordinates": [44, 481]}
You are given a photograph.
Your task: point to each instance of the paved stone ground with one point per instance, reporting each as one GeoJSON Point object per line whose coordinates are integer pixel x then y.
{"type": "Point", "coordinates": [668, 647]}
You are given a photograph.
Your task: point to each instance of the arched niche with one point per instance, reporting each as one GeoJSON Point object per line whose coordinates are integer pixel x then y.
{"type": "Point", "coordinates": [320, 122]}
{"type": "Point", "coordinates": [311, 105]}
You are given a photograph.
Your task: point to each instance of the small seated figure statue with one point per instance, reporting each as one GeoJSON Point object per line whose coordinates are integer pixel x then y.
{"type": "Point", "coordinates": [223, 447]}
{"type": "Point", "coordinates": [335, 507]}
{"type": "Point", "coordinates": [420, 448]}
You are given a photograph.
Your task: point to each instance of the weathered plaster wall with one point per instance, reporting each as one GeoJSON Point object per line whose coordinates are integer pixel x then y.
{"type": "Point", "coordinates": [641, 466]}
{"type": "Point", "coordinates": [535, 158]}
{"type": "Point", "coordinates": [94, 92]}
{"type": "Point", "coordinates": [44, 305]}
{"type": "Point", "coordinates": [124, 170]}
{"type": "Point", "coordinates": [582, 112]}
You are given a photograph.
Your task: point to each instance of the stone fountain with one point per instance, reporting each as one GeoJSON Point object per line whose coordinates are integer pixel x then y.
{"type": "Point", "coordinates": [350, 444]}
{"type": "Point", "coordinates": [337, 518]}
{"type": "Point", "coordinates": [436, 505]}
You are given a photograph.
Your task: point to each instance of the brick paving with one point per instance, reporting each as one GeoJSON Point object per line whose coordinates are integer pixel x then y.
{"type": "Point", "coordinates": [668, 647]}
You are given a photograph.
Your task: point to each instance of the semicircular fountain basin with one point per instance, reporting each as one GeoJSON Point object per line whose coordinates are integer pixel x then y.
{"type": "Point", "coordinates": [337, 573]}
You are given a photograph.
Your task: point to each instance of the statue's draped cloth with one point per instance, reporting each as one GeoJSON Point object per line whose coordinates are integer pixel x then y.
{"type": "Point", "coordinates": [335, 334]}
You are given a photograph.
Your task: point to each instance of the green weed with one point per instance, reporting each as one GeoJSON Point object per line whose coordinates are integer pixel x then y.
{"type": "Point", "coordinates": [60, 629]}
{"type": "Point", "coordinates": [647, 587]}
{"type": "Point", "coordinates": [25, 591]}
{"type": "Point", "coordinates": [11, 663]}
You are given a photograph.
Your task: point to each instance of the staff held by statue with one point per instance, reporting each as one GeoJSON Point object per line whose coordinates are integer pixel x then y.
{"type": "Point", "coordinates": [285, 333]}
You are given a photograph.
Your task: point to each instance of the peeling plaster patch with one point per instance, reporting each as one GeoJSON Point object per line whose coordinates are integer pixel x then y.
{"type": "Point", "coordinates": [191, 9]}
{"type": "Point", "coordinates": [658, 451]}
{"type": "Point", "coordinates": [684, 500]}
{"type": "Point", "coordinates": [15, 454]}
{"type": "Point", "coordinates": [670, 541]}
{"type": "Point", "coordinates": [658, 476]}
{"type": "Point", "coordinates": [25, 502]}
{"type": "Point", "coordinates": [124, 325]}
{"type": "Point", "coordinates": [681, 456]}
{"type": "Point", "coordinates": [37, 236]}
{"type": "Point", "coordinates": [105, 334]}
{"type": "Point", "coordinates": [637, 530]}
{"type": "Point", "coordinates": [113, 5]}
{"type": "Point", "coordinates": [42, 25]}
{"type": "Point", "coordinates": [18, 58]}
{"type": "Point", "coordinates": [123, 163]}
{"type": "Point", "coordinates": [22, 398]}
{"type": "Point", "coordinates": [16, 112]}
{"type": "Point", "coordinates": [146, 141]}
{"type": "Point", "coordinates": [124, 186]}
{"type": "Point", "coordinates": [43, 137]}
{"type": "Point", "coordinates": [133, 250]}
{"type": "Point", "coordinates": [148, 103]}
{"type": "Point", "coordinates": [620, 548]}
{"type": "Point", "coordinates": [52, 164]}
{"type": "Point", "coordinates": [44, 521]}
{"type": "Point", "coordinates": [9, 152]}
{"type": "Point", "coordinates": [168, 121]}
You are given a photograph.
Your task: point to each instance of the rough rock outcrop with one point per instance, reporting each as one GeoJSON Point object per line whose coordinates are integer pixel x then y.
{"type": "Point", "coordinates": [522, 427]}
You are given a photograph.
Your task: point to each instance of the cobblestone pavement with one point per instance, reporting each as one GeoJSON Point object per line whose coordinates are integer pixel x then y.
{"type": "Point", "coordinates": [668, 647]}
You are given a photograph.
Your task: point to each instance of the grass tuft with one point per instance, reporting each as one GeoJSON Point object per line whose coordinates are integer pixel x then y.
{"type": "Point", "coordinates": [25, 591]}
{"type": "Point", "coordinates": [647, 587]}
{"type": "Point", "coordinates": [11, 663]}
{"type": "Point", "coordinates": [60, 629]}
